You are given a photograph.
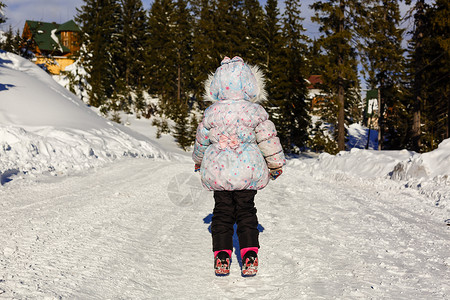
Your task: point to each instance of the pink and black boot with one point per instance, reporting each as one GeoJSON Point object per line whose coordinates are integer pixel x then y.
{"type": "Point", "coordinates": [249, 262]}
{"type": "Point", "coordinates": [222, 263]}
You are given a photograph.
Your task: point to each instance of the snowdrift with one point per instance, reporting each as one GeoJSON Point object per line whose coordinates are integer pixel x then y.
{"type": "Point", "coordinates": [400, 165]}
{"type": "Point", "coordinates": [429, 173]}
{"type": "Point", "coordinates": [46, 129]}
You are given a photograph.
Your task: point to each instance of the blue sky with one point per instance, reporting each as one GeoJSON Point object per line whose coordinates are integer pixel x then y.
{"type": "Point", "coordinates": [60, 11]}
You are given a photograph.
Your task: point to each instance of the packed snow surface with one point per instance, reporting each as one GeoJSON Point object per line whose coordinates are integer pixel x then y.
{"type": "Point", "coordinates": [93, 210]}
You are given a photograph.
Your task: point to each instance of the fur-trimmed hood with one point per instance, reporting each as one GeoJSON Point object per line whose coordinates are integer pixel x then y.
{"type": "Point", "coordinates": [235, 80]}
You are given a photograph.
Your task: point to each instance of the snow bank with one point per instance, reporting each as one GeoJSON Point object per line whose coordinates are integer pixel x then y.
{"type": "Point", "coordinates": [432, 165]}
{"type": "Point", "coordinates": [46, 129]}
{"type": "Point", "coordinates": [429, 173]}
{"type": "Point", "coordinates": [360, 163]}
{"type": "Point", "coordinates": [400, 165]}
{"type": "Point", "coordinates": [49, 150]}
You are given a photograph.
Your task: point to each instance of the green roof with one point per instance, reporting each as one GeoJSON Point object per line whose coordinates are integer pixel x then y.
{"type": "Point", "coordinates": [42, 33]}
{"type": "Point", "coordinates": [69, 26]}
{"type": "Point", "coordinates": [372, 94]}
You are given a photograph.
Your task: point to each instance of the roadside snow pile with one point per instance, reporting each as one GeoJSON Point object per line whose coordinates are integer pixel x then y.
{"type": "Point", "coordinates": [400, 165]}
{"type": "Point", "coordinates": [433, 165]}
{"type": "Point", "coordinates": [360, 163]}
{"type": "Point", "coordinates": [46, 129]}
{"type": "Point", "coordinates": [429, 173]}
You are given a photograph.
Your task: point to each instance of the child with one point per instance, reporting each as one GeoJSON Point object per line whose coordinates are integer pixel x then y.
{"type": "Point", "coordinates": [236, 151]}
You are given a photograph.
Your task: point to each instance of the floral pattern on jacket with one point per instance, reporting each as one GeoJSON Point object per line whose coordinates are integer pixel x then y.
{"type": "Point", "coordinates": [236, 143]}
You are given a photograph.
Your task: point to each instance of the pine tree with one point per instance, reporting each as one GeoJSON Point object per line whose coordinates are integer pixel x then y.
{"type": "Point", "coordinates": [133, 46]}
{"type": "Point", "coordinates": [337, 24]}
{"type": "Point", "coordinates": [383, 55]}
{"type": "Point", "coordinates": [253, 48]}
{"type": "Point", "coordinates": [294, 106]}
{"type": "Point", "coordinates": [182, 132]}
{"type": "Point", "coordinates": [12, 42]}
{"type": "Point", "coordinates": [277, 81]}
{"type": "Point", "coordinates": [205, 56]}
{"type": "Point", "coordinates": [170, 61]}
{"type": "Point", "coordinates": [430, 71]}
{"type": "Point", "coordinates": [2, 14]}
{"type": "Point", "coordinates": [418, 60]}
{"type": "Point", "coordinates": [271, 38]}
{"type": "Point", "coordinates": [230, 28]}
{"type": "Point", "coordinates": [98, 20]}
{"type": "Point", "coordinates": [161, 58]}
{"type": "Point", "coordinates": [127, 55]}
{"type": "Point", "coordinates": [183, 51]}
{"type": "Point", "coordinates": [316, 59]}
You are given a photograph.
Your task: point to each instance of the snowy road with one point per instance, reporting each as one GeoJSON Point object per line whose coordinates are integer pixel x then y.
{"type": "Point", "coordinates": [138, 229]}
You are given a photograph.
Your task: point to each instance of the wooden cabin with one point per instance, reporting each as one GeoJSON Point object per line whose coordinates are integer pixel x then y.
{"type": "Point", "coordinates": [315, 93]}
{"type": "Point", "coordinates": [52, 44]}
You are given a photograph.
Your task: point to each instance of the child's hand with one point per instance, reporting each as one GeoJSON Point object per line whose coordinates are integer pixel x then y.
{"type": "Point", "coordinates": [274, 173]}
{"type": "Point", "coordinates": [197, 168]}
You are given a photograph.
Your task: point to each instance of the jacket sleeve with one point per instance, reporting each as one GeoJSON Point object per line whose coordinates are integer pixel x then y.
{"type": "Point", "coordinates": [269, 143]}
{"type": "Point", "coordinates": [201, 143]}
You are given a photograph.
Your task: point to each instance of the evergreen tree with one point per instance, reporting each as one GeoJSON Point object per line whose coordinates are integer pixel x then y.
{"type": "Point", "coordinates": [430, 72]}
{"type": "Point", "coordinates": [316, 59]}
{"type": "Point", "coordinates": [253, 43]}
{"type": "Point", "coordinates": [2, 14]}
{"type": "Point", "coordinates": [230, 28]}
{"type": "Point", "coordinates": [160, 59]}
{"type": "Point", "coordinates": [127, 55]}
{"type": "Point", "coordinates": [271, 37]}
{"type": "Point", "coordinates": [183, 51]}
{"type": "Point", "coordinates": [134, 27]}
{"type": "Point", "coordinates": [170, 61]}
{"type": "Point", "coordinates": [185, 128]}
{"type": "Point", "coordinates": [417, 61]}
{"type": "Point", "coordinates": [12, 42]}
{"type": "Point", "coordinates": [337, 24]}
{"type": "Point", "coordinates": [383, 55]}
{"type": "Point", "coordinates": [98, 20]}
{"type": "Point", "coordinates": [293, 108]}
{"type": "Point", "coordinates": [171, 44]}
{"type": "Point", "coordinates": [205, 56]}
{"type": "Point", "coordinates": [275, 69]}
{"type": "Point", "coordinates": [274, 65]}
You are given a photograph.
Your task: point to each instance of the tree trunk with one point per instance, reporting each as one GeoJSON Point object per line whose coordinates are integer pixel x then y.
{"type": "Point", "coordinates": [380, 120]}
{"type": "Point", "coordinates": [341, 118]}
{"type": "Point", "coordinates": [179, 79]}
{"type": "Point", "coordinates": [416, 125]}
{"type": "Point", "coordinates": [418, 83]}
{"type": "Point", "coordinates": [179, 85]}
{"type": "Point", "coordinates": [341, 91]}
{"type": "Point", "coordinates": [448, 118]}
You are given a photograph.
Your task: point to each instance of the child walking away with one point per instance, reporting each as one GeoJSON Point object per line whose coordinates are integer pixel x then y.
{"type": "Point", "coordinates": [236, 151]}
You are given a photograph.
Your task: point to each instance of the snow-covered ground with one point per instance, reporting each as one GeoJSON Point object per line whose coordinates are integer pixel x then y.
{"type": "Point", "coordinates": [46, 129]}
{"type": "Point", "coordinates": [93, 210]}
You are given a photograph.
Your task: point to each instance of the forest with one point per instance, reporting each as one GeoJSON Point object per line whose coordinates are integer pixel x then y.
{"type": "Point", "coordinates": [130, 55]}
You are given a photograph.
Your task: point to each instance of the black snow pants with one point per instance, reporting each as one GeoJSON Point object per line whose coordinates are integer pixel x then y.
{"type": "Point", "coordinates": [234, 207]}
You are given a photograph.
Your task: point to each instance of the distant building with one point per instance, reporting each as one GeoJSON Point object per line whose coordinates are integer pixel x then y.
{"type": "Point", "coordinates": [315, 93]}
{"type": "Point", "coordinates": [52, 45]}
{"type": "Point", "coordinates": [371, 112]}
